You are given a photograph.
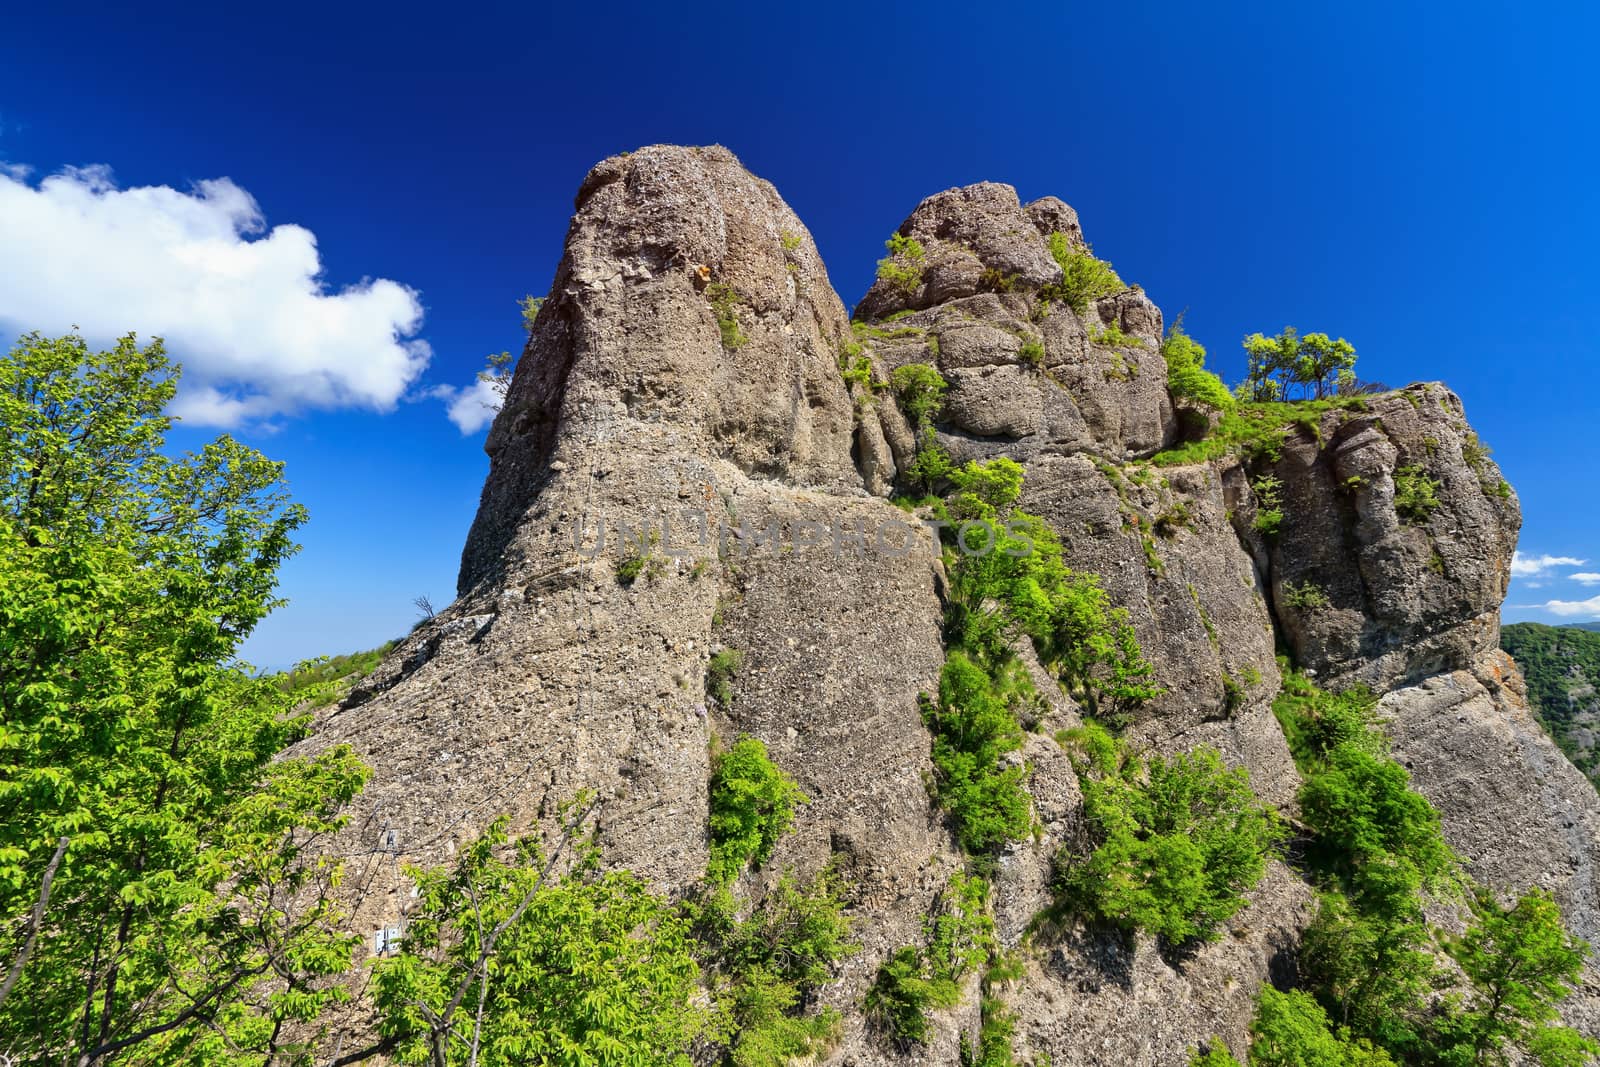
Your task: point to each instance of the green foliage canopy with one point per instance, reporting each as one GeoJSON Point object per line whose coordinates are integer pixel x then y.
{"type": "Point", "coordinates": [507, 961]}
{"type": "Point", "coordinates": [1187, 377]}
{"type": "Point", "coordinates": [1180, 841]}
{"type": "Point", "coordinates": [189, 918]}
{"type": "Point", "coordinates": [1315, 363]}
{"type": "Point", "coordinates": [753, 802]}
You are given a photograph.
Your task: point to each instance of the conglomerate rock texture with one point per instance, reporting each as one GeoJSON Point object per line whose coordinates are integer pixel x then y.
{"type": "Point", "coordinates": [684, 375]}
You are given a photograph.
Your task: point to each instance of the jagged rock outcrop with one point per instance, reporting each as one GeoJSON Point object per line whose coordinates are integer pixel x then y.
{"type": "Point", "coordinates": [685, 375]}
{"type": "Point", "coordinates": [1396, 594]}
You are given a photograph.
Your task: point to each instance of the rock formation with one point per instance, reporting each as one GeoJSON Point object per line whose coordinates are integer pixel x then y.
{"type": "Point", "coordinates": [684, 375]}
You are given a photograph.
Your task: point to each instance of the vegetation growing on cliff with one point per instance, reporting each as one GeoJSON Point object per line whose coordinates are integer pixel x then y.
{"type": "Point", "coordinates": [973, 728]}
{"type": "Point", "coordinates": [918, 979]}
{"type": "Point", "coordinates": [1416, 495]}
{"type": "Point", "coordinates": [1177, 842]}
{"type": "Point", "coordinates": [920, 389]}
{"type": "Point", "coordinates": [902, 267]}
{"type": "Point", "coordinates": [1378, 855]}
{"type": "Point", "coordinates": [1257, 430]}
{"type": "Point", "coordinates": [752, 805]}
{"type": "Point", "coordinates": [1008, 581]}
{"type": "Point", "coordinates": [1084, 279]}
{"type": "Point", "coordinates": [510, 960]}
{"type": "Point", "coordinates": [518, 956]}
{"type": "Point", "coordinates": [1314, 363]}
{"type": "Point", "coordinates": [1187, 377]}
{"type": "Point", "coordinates": [766, 969]}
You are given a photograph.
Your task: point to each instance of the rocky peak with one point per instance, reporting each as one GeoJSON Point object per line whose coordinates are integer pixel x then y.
{"type": "Point", "coordinates": [690, 311]}
{"type": "Point", "coordinates": [691, 359]}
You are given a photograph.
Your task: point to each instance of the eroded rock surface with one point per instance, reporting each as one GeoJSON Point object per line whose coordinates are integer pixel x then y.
{"type": "Point", "coordinates": [687, 369]}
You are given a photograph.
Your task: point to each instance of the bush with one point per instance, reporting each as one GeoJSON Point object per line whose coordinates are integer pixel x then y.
{"type": "Point", "coordinates": [720, 672]}
{"type": "Point", "coordinates": [1416, 495]}
{"type": "Point", "coordinates": [1306, 596]}
{"type": "Point", "coordinates": [918, 980]}
{"type": "Point", "coordinates": [902, 996]}
{"type": "Point", "coordinates": [1113, 337]}
{"type": "Point", "coordinates": [858, 372]}
{"type": "Point", "coordinates": [629, 568]}
{"type": "Point", "coordinates": [920, 389]}
{"type": "Point", "coordinates": [1187, 377]}
{"type": "Point", "coordinates": [724, 301]}
{"type": "Point", "coordinates": [1292, 1030]}
{"type": "Point", "coordinates": [1094, 648]}
{"type": "Point", "coordinates": [1316, 722]}
{"type": "Point", "coordinates": [772, 964]}
{"type": "Point", "coordinates": [902, 268]}
{"type": "Point", "coordinates": [1179, 841]}
{"type": "Point", "coordinates": [1084, 278]}
{"type": "Point", "coordinates": [1372, 830]}
{"type": "Point", "coordinates": [752, 805]}
{"type": "Point", "coordinates": [972, 729]}
{"type": "Point", "coordinates": [1214, 1054]}
{"type": "Point", "coordinates": [933, 466]}
{"type": "Point", "coordinates": [1031, 353]}
{"type": "Point", "coordinates": [1269, 504]}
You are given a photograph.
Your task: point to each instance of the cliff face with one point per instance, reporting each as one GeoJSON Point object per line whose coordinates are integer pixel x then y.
{"type": "Point", "coordinates": [685, 369]}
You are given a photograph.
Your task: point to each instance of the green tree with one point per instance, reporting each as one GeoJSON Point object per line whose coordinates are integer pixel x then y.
{"type": "Point", "coordinates": [920, 389]}
{"type": "Point", "coordinates": [1291, 1030]}
{"type": "Point", "coordinates": [1186, 373]}
{"type": "Point", "coordinates": [509, 961]}
{"type": "Point", "coordinates": [752, 805]}
{"type": "Point", "coordinates": [1179, 841]}
{"type": "Point", "coordinates": [161, 867]}
{"type": "Point", "coordinates": [1315, 362]}
{"type": "Point", "coordinates": [1520, 963]}
{"type": "Point", "coordinates": [499, 366]}
{"type": "Point", "coordinates": [1373, 966]}
{"type": "Point", "coordinates": [1374, 832]}
{"type": "Point", "coordinates": [973, 728]}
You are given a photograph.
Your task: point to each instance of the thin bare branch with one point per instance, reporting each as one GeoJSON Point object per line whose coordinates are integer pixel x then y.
{"type": "Point", "coordinates": [35, 920]}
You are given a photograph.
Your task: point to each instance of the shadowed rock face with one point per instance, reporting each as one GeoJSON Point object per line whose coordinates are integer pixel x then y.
{"type": "Point", "coordinates": [686, 367]}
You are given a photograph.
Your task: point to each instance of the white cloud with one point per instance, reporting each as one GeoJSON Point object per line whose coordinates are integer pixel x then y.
{"type": "Point", "coordinates": [242, 307]}
{"type": "Point", "coordinates": [1569, 608]}
{"type": "Point", "coordinates": [1533, 566]}
{"type": "Point", "coordinates": [1585, 579]}
{"type": "Point", "coordinates": [472, 408]}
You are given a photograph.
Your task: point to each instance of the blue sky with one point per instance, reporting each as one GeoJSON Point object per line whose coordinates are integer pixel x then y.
{"type": "Point", "coordinates": [1421, 183]}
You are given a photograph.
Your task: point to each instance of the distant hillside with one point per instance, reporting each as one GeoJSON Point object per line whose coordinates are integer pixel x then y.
{"type": "Point", "coordinates": [1562, 664]}
{"type": "Point", "coordinates": [321, 681]}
